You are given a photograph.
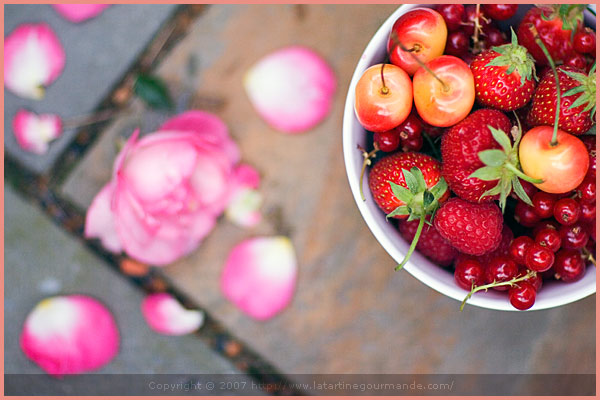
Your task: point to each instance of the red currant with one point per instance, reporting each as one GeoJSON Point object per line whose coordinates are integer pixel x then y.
{"type": "Point", "coordinates": [536, 280]}
{"type": "Point", "coordinates": [543, 204]}
{"type": "Point", "coordinates": [588, 212]}
{"type": "Point", "coordinates": [413, 144]}
{"type": "Point", "coordinates": [522, 295]}
{"type": "Point", "coordinates": [501, 269]}
{"type": "Point", "coordinates": [574, 236]}
{"type": "Point", "coordinates": [457, 44]}
{"type": "Point", "coordinates": [453, 15]}
{"type": "Point", "coordinates": [569, 265]}
{"type": "Point", "coordinates": [387, 141]}
{"type": "Point", "coordinates": [549, 238]}
{"type": "Point", "coordinates": [538, 258]}
{"type": "Point", "coordinates": [411, 128]}
{"type": "Point", "coordinates": [590, 144]}
{"type": "Point", "coordinates": [584, 41]}
{"type": "Point", "coordinates": [547, 223]}
{"type": "Point", "coordinates": [500, 12]}
{"type": "Point", "coordinates": [566, 211]}
{"type": "Point", "coordinates": [468, 271]}
{"type": "Point", "coordinates": [492, 36]}
{"type": "Point", "coordinates": [586, 191]}
{"type": "Point", "coordinates": [525, 215]}
{"type": "Point", "coordinates": [576, 60]}
{"type": "Point", "coordinates": [518, 247]}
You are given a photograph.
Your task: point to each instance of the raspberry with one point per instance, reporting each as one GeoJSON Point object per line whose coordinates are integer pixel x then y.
{"type": "Point", "coordinates": [431, 244]}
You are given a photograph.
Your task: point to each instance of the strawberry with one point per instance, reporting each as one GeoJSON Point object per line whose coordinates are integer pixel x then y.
{"type": "Point", "coordinates": [478, 161]}
{"type": "Point", "coordinates": [556, 25]}
{"type": "Point", "coordinates": [577, 100]}
{"type": "Point", "coordinates": [431, 244]}
{"type": "Point", "coordinates": [504, 76]}
{"type": "Point", "coordinates": [471, 228]}
{"type": "Point", "coordinates": [408, 185]}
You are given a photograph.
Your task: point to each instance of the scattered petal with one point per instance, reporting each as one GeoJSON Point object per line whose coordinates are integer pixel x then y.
{"type": "Point", "coordinates": [79, 12]}
{"type": "Point", "coordinates": [166, 315]}
{"type": "Point", "coordinates": [260, 276]}
{"type": "Point", "coordinates": [244, 207]}
{"type": "Point", "coordinates": [33, 132]}
{"type": "Point", "coordinates": [100, 220]}
{"type": "Point", "coordinates": [33, 59]}
{"type": "Point", "coordinates": [292, 89]}
{"type": "Point", "coordinates": [70, 335]}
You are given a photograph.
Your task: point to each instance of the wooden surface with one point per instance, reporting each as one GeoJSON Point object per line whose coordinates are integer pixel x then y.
{"type": "Point", "coordinates": [351, 312]}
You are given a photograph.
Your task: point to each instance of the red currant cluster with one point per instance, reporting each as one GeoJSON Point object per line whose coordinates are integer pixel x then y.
{"type": "Point", "coordinates": [560, 240]}
{"type": "Point", "coordinates": [407, 136]}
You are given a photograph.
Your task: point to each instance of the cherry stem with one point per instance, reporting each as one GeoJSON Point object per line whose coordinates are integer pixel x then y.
{"type": "Point", "coordinates": [89, 119]}
{"type": "Point", "coordinates": [367, 161]}
{"type": "Point", "coordinates": [384, 89]}
{"type": "Point", "coordinates": [475, 289]}
{"type": "Point", "coordinates": [521, 175]}
{"type": "Point", "coordinates": [539, 42]}
{"type": "Point", "coordinates": [413, 245]}
{"type": "Point", "coordinates": [397, 42]}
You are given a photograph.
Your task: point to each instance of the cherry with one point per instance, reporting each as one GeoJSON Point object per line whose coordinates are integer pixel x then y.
{"type": "Point", "coordinates": [536, 280]}
{"type": "Point", "coordinates": [413, 144]}
{"type": "Point", "coordinates": [574, 236]}
{"type": "Point", "coordinates": [453, 15]}
{"type": "Point", "coordinates": [588, 212]}
{"type": "Point", "coordinates": [501, 269]}
{"type": "Point", "coordinates": [566, 211]}
{"type": "Point", "coordinates": [543, 204]}
{"type": "Point", "coordinates": [518, 247]}
{"type": "Point", "coordinates": [525, 215]}
{"type": "Point", "coordinates": [468, 271]}
{"type": "Point", "coordinates": [500, 12]}
{"type": "Point", "coordinates": [550, 238]}
{"type": "Point", "coordinates": [522, 295]}
{"type": "Point", "coordinates": [587, 190]}
{"type": "Point", "coordinates": [569, 265]}
{"type": "Point", "coordinates": [539, 258]}
{"type": "Point", "coordinates": [457, 44]}
{"type": "Point", "coordinates": [576, 60]}
{"type": "Point", "coordinates": [584, 41]}
{"type": "Point", "coordinates": [388, 140]}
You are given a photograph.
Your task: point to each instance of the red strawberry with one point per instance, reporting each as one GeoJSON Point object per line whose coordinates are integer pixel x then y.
{"type": "Point", "coordinates": [471, 228]}
{"type": "Point", "coordinates": [555, 25]}
{"type": "Point", "coordinates": [504, 76]}
{"type": "Point", "coordinates": [577, 100]}
{"type": "Point", "coordinates": [478, 161]}
{"type": "Point", "coordinates": [389, 169]}
{"type": "Point", "coordinates": [431, 244]}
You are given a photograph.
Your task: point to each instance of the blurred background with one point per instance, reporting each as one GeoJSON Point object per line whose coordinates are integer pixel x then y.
{"type": "Point", "coordinates": [351, 314]}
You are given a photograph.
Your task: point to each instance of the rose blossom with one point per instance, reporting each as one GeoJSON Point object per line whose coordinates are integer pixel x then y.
{"type": "Point", "coordinates": [167, 189]}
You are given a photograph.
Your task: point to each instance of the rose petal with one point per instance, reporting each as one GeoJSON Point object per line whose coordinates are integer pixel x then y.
{"type": "Point", "coordinates": [33, 59]}
{"type": "Point", "coordinates": [79, 12]}
{"type": "Point", "coordinates": [100, 220]}
{"type": "Point", "coordinates": [260, 276]}
{"type": "Point", "coordinates": [243, 209]}
{"type": "Point", "coordinates": [292, 89]}
{"type": "Point", "coordinates": [70, 335]}
{"type": "Point", "coordinates": [166, 315]}
{"type": "Point", "coordinates": [33, 132]}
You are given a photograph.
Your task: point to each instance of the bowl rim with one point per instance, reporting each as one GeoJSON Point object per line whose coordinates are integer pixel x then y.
{"type": "Point", "coordinates": [492, 300]}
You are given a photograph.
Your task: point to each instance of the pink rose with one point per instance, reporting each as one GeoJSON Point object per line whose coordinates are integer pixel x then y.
{"type": "Point", "coordinates": [167, 189]}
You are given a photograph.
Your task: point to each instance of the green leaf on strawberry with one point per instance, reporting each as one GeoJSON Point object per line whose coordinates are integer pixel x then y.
{"type": "Point", "coordinates": [515, 57]}
{"type": "Point", "coordinates": [587, 88]}
{"type": "Point", "coordinates": [503, 166]}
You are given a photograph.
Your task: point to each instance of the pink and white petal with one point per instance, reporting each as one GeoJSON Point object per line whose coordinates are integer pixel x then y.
{"type": "Point", "coordinates": [260, 276]}
{"type": "Point", "coordinates": [79, 12]}
{"type": "Point", "coordinates": [100, 220]}
{"type": "Point", "coordinates": [165, 315]}
{"type": "Point", "coordinates": [244, 208]}
{"type": "Point", "coordinates": [198, 122]}
{"type": "Point", "coordinates": [33, 132]}
{"type": "Point", "coordinates": [292, 88]}
{"type": "Point", "coordinates": [247, 176]}
{"type": "Point", "coordinates": [33, 59]}
{"type": "Point", "coordinates": [70, 335]}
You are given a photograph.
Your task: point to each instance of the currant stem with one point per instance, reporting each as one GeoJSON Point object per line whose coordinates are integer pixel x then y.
{"type": "Point", "coordinates": [476, 289]}
{"type": "Point", "coordinates": [367, 161]}
{"type": "Point", "coordinates": [521, 175]}
{"type": "Point", "coordinates": [539, 42]}
{"type": "Point", "coordinates": [413, 245]}
{"type": "Point", "coordinates": [476, 29]}
{"type": "Point", "coordinates": [397, 42]}
{"type": "Point", "coordinates": [590, 257]}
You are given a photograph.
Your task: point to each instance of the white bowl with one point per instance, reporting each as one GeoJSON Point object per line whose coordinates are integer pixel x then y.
{"type": "Point", "coordinates": [552, 294]}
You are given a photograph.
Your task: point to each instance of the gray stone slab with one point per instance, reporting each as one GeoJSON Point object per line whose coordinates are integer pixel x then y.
{"type": "Point", "coordinates": [98, 51]}
{"type": "Point", "coordinates": [40, 260]}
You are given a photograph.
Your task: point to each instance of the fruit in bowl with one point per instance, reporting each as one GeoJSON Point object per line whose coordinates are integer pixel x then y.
{"type": "Point", "coordinates": [493, 188]}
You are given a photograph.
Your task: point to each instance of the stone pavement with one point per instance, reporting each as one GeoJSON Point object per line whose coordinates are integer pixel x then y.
{"type": "Point", "coordinates": [351, 313]}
